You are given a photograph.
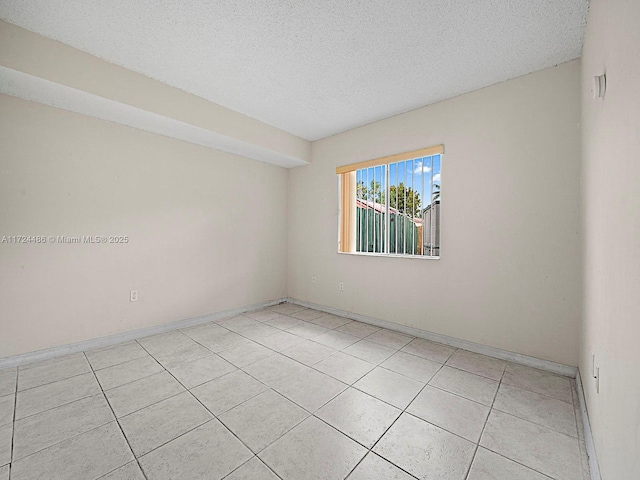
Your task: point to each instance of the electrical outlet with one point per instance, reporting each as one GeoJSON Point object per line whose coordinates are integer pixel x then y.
{"type": "Point", "coordinates": [341, 286]}
{"type": "Point", "coordinates": [133, 296]}
{"type": "Point", "coordinates": [313, 279]}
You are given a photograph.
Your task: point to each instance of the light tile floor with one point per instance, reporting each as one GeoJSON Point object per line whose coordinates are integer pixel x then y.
{"type": "Point", "coordinates": [290, 393]}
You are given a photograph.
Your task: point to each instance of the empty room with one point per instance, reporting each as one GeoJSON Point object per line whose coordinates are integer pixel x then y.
{"type": "Point", "coordinates": [319, 240]}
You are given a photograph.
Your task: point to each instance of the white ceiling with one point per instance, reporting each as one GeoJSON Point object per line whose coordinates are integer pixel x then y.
{"type": "Point", "coordinates": [316, 67]}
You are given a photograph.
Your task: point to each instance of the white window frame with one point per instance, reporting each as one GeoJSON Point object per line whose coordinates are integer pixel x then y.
{"type": "Point", "coordinates": [348, 201]}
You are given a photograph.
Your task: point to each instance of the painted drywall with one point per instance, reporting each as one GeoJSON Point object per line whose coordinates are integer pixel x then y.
{"type": "Point", "coordinates": [611, 218]}
{"type": "Point", "coordinates": [206, 229]}
{"type": "Point", "coordinates": [32, 54]}
{"type": "Point", "coordinates": [509, 273]}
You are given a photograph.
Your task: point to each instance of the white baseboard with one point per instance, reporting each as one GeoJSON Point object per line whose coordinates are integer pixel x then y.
{"type": "Point", "coordinates": [588, 437]}
{"type": "Point", "coordinates": [90, 344]}
{"type": "Point", "coordinates": [547, 365]}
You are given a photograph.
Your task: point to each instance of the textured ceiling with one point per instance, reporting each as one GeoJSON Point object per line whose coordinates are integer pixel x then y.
{"type": "Point", "coordinates": [316, 67]}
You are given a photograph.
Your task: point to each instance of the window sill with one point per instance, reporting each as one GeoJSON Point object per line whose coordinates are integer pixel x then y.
{"type": "Point", "coordinates": [389, 255]}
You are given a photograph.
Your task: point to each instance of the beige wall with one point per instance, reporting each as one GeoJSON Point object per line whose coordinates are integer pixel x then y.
{"type": "Point", "coordinates": [34, 54]}
{"type": "Point", "coordinates": [611, 216]}
{"type": "Point", "coordinates": [207, 229]}
{"type": "Point", "coordinates": [509, 275]}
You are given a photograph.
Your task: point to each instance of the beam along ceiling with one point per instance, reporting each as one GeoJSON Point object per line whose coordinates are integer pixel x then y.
{"type": "Point", "coordinates": [316, 67]}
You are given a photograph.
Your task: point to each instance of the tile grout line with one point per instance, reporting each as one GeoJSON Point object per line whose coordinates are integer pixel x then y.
{"type": "Point", "coordinates": [13, 425]}
{"type": "Point", "coordinates": [304, 365]}
{"type": "Point", "coordinates": [519, 463]}
{"type": "Point", "coordinates": [341, 350]}
{"type": "Point", "coordinates": [60, 405]}
{"type": "Point", "coordinates": [117, 422]}
{"type": "Point", "coordinates": [259, 460]}
{"type": "Point", "coordinates": [473, 457]}
{"type": "Point", "coordinates": [65, 440]}
{"type": "Point", "coordinates": [376, 365]}
{"type": "Point", "coordinates": [506, 413]}
{"type": "Point", "coordinates": [132, 381]}
{"type": "Point", "coordinates": [215, 417]}
{"type": "Point", "coordinates": [55, 381]}
{"type": "Point", "coordinates": [403, 410]}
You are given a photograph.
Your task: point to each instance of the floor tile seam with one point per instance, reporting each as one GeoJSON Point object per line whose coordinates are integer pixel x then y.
{"type": "Point", "coordinates": [350, 384]}
{"type": "Point", "coordinates": [326, 374]}
{"type": "Point", "coordinates": [370, 452]}
{"type": "Point", "coordinates": [404, 374]}
{"type": "Point", "coordinates": [519, 463]}
{"type": "Point", "coordinates": [13, 426]}
{"type": "Point", "coordinates": [61, 405]}
{"type": "Point", "coordinates": [570, 437]}
{"type": "Point", "coordinates": [114, 364]}
{"type": "Point", "coordinates": [440, 427]}
{"type": "Point", "coordinates": [539, 393]}
{"type": "Point", "coordinates": [119, 426]}
{"type": "Point", "coordinates": [118, 468]}
{"type": "Point", "coordinates": [345, 353]}
{"type": "Point", "coordinates": [376, 364]}
{"type": "Point", "coordinates": [39, 363]}
{"type": "Point", "coordinates": [385, 345]}
{"type": "Point", "coordinates": [259, 460]}
{"type": "Point", "coordinates": [267, 387]}
{"type": "Point", "coordinates": [395, 406]}
{"type": "Point", "coordinates": [229, 409]}
{"type": "Point", "coordinates": [129, 382]}
{"type": "Point", "coordinates": [90, 372]}
{"type": "Point", "coordinates": [247, 314]}
{"type": "Point", "coordinates": [106, 348]}
{"type": "Point", "coordinates": [368, 449]}
{"type": "Point", "coordinates": [138, 458]}
{"type": "Point", "coordinates": [184, 363]}
{"type": "Point", "coordinates": [473, 373]}
{"type": "Point", "coordinates": [330, 329]}
{"type": "Point", "coordinates": [307, 416]}
{"type": "Point", "coordinates": [459, 395]}
{"type": "Point", "coordinates": [235, 369]}
{"type": "Point", "coordinates": [193, 395]}
{"type": "Point", "coordinates": [151, 404]}
{"type": "Point", "coordinates": [178, 330]}
{"type": "Point", "coordinates": [292, 358]}
{"type": "Point", "coordinates": [54, 381]}
{"type": "Point", "coordinates": [536, 423]}
{"type": "Point", "coordinates": [402, 410]}
{"type": "Point", "coordinates": [288, 358]}
{"type": "Point", "coordinates": [306, 409]}
{"type": "Point", "coordinates": [340, 349]}
{"type": "Point", "coordinates": [13, 460]}
{"type": "Point", "coordinates": [169, 364]}
{"type": "Point", "coordinates": [124, 363]}
{"type": "Point", "coordinates": [214, 416]}
{"type": "Point", "coordinates": [96, 394]}
{"type": "Point", "coordinates": [254, 341]}
{"type": "Point", "coordinates": [429, 359]}
{"type": "Point", "coordinates": [486, 420]}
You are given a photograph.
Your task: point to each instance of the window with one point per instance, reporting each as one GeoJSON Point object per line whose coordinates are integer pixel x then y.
{"type": "Point", "coordinates": [391, 205]}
